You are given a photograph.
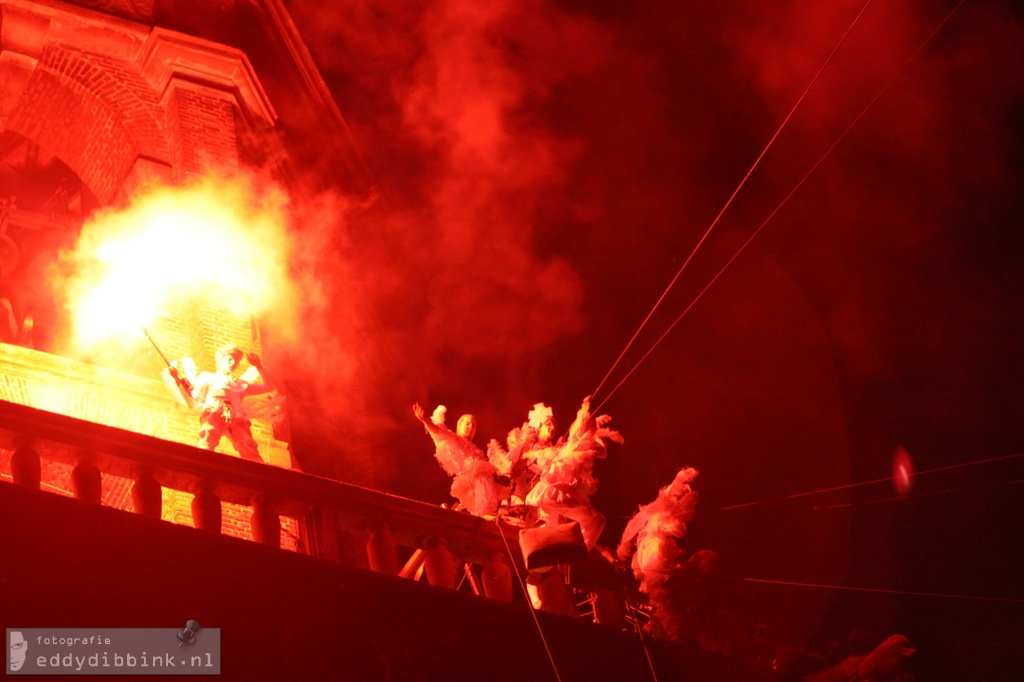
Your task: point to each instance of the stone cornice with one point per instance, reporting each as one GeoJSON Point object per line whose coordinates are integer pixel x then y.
{"type": "Point", "coordinates": [170, 55]}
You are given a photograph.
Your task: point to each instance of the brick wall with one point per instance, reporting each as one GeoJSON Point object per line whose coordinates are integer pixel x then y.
{"type": "Point", "coordinates": [201, 122]}
{"type": "Point", "coordinates": [79, 125]}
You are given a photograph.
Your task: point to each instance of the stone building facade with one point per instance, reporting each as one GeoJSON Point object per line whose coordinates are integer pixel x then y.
{"type": "Point", "coordinates": [118, 97]}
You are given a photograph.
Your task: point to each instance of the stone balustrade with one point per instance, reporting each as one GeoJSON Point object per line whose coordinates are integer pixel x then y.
{"type": "Point", "coordinates": [443, 543]}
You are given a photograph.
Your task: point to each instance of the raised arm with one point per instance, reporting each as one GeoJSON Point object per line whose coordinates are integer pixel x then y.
{"type": "Point", "coordinates": [420, 414]}
{"type": "Point", "coordinates": [583, 423]}
{"type": "Point", "coordinates": [256, 372]}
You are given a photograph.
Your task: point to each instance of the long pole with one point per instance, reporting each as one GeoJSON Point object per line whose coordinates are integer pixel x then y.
{"type": "Point", "coordinates": [183, 383]}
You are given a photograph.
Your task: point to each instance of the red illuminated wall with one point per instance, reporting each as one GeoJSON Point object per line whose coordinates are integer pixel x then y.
{"type": "Point", "coordinates": [123, 104]}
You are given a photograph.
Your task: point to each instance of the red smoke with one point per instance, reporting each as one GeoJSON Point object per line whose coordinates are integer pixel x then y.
{"type": "Point", "coordinates": [545, 168]}
{"type": "Point", "coordinates": [450, 277]}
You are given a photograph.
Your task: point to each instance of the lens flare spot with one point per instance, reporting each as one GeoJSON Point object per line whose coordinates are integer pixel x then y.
{"type": "Point", "coordinates": [902, 471]}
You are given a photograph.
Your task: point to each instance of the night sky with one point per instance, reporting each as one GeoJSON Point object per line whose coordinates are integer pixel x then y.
{"type": "Point", "coordinates": [545, 169]}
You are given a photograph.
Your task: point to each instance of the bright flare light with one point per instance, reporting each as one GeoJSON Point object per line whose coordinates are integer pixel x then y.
{"type": "Point", "coordinates": [219, 241]}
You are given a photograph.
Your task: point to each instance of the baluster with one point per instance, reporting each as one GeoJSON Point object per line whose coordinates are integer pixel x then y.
{"type": "Point", "coordinates": [497, 577]}
{"type": "Point", "coordinates": [381, 549]}
{"type": "Point", "coordinates": [25, 467]}
{"type": "Point", "coordinates": [206, 510]}
{"type": "Point", "coordinates": [147, 495]}
{"type": "Point", "coordinates": [86, 483]}
{"type": "Point", "coordinates": [266, 524]}
{"type": "Point", "coordinates": [439, 562]}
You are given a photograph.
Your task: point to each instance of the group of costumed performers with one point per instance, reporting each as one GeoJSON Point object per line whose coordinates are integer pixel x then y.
{"type": "Point", "coordinates": [542, 479]}
{"type": "Point", "coordinates": [548, 479]}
